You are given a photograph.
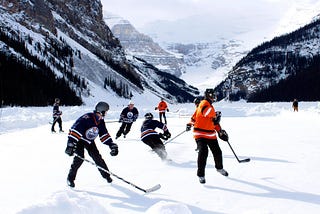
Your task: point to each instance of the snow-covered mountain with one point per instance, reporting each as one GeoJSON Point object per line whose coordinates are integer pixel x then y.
{"type": "Point", "coordinates": [47, 28]}
{"type": "Point", "coordinates": [214, 40]}
{"type": "Point", "coordinates": [285, 68]}
{"type": "Point", "coordinates": [142, 46]}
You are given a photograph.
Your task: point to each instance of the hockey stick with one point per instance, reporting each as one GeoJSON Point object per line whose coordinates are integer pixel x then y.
{"type": "Point", "coordinates": [240, 161]}
{"type": "Point", "coordinates": [112, 121]}
{"type": "Point", "coordinates": [168, 141]}
{"type": "Point", "coordinates": [54, 120]}
{"type": "Point", "coordinates": [152, 189]}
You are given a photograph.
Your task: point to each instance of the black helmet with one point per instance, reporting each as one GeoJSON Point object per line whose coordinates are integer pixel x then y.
{"type": "Point", "coordinates": [209, 94]}
{"type": "Point", "coordinates": [148, 116]}
{"type": "Point", "coordinates": [196, 101]}
{"type": "Point", "coordinates": [101, 107]}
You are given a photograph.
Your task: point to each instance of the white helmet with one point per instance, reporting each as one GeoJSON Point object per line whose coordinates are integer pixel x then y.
{"type": "Point", "coordinates": [131, 102]}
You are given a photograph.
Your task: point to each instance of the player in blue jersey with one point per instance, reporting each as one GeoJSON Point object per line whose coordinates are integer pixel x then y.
{"type": "Point", "coordinates": [56, 114]}
{"type": "Point", "coordinates": [128, 115]}
{"type": "Point", "coordinates": [82, 135]}
{"type": "Point", "coordinates": [152, 138]}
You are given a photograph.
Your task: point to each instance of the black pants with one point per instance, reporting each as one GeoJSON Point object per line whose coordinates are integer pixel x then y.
{"type": "Point", "coordinates": [156, 145]}
{"type": "Point", "coordinates": [213, 145]}
{"type": "Point", "coordinates": [94, 154]}
{"type": "Point", "coordinates": [57, 120]}
{"type": "Point", "coordinates": [124, 129]}
{"type": "Point", "coordinates": [163, 114]}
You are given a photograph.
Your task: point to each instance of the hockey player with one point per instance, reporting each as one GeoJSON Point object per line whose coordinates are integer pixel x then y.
{"type": "Point", "coordinates": [206, 125]}
{"type": "Point", "coordinates": [56, 114]}
{"type": "Point", "coordinates": [162, 108]}
{"type": "Point", "coordinates": [128, 115]}
{"type": "Point", "coordinates": [82, 135]}
{"type": "Point", "coordinates": [152, 138]}
{"type": "Point", "coordinates": [295, 105]}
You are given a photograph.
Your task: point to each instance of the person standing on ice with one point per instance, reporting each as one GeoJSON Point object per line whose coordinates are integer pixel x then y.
{"type": "Point", "coordinates": [56, 114]}
{"type": "Point", "coordinates": [128, 115]}
{"type": "Point", "coordinates": [206, 125]}
{"type": "Point", "coordinates": [152, 138]}
{"type": "Point", "coordinates": [162, 108]}
{"type": "Point", "coordinates": [82, 135]}
{"type": "Point", "coordinates": [295, 105]}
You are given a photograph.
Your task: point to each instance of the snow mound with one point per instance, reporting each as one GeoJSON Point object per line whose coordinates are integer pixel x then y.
{"type": "Point", "coordinates": [164, 207]}
{"type": "Point", "coordinates": [66, 202]}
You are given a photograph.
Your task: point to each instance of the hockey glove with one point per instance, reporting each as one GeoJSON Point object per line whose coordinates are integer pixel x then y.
{"type": "Point", "coordinates": [167, 110]}
{"type": "Point", "coordinates": [167, 134]}
{"type": "Point", "coordinates": [223, 135]}
{"type": "Point", "coordinates": [71, 147]}
{"type": "Point", "coordinates": [114, 149]}
{"type": "Point", "coordinates": [162, 136]}
{"type": "Point", "coordinates": [188, 127]}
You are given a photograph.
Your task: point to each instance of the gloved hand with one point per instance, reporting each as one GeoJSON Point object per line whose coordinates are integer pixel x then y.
{"type": "Point", "coordinates": [120, 120]}
{"type": "Point", "coordinates": [114, 149]}
{"type": "Point", "coordinates": [223, 135]}
{"type": "Point", "coordinates": [167, 134]}
{"type": "Point", "coordinates": [217, 119]}
{"type": "Point", "coordinates": [71, 147]}
{"type": "Point", "coordinates": [188, 127]}
{"type": "Point", "coordinates": [167, 110]}
{"type": "Point", "coordinates": [162, 136]}
{"type": "Point", "coordinates": [155, 108]}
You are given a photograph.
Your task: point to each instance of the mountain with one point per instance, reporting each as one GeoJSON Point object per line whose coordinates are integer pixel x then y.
{"type": "Point", "coordinates": [142, 46]}
{"type": "Point", "coordinates": [214, 35]}
{"type": "Point", "coordinates": [282, 69]}
{"type": "Point", "coordinates": [70, 45]}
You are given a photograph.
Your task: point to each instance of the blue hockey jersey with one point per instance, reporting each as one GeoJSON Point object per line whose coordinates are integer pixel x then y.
{"type": "Point", "coordinates": [88, 127]}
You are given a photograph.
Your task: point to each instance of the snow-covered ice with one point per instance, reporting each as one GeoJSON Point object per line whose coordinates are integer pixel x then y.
{"type": "Point", "coordinates": [282, 176]}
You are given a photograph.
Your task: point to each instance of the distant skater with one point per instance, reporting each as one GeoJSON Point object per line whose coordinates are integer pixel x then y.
{"type": "Point", "coordinates": [162, 108]}
{"type": "Point", "coordinates": [128, 115]}
{"type": "Point", "coordinates": [56, 114]}
{"type": "Point", "coordinates": [295, 105]}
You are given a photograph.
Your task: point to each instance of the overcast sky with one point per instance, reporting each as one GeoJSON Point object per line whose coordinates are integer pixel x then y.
{"type": "Point", "coordinates": [140, 12]}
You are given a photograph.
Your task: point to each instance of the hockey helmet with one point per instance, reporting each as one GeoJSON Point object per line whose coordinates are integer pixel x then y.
{"type": "Point", "coordinates": [57, 100]}
{"type": "Point", "coordinates": [101, 107]}
{"type": "Point", "coordinates": [131, 102]}
{"type": "Point", "coordinates": [148, 116]}
{"type": "Point", "coordinates": [209, 94]}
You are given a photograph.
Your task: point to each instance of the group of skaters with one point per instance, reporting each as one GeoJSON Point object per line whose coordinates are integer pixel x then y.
{"type": "Point", "coordinates": [82, 134]}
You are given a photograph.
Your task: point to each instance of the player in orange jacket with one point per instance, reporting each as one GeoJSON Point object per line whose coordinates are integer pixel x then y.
{"type": "Point", "coordinates": [162, 108]}
{"type": "Point", "coordinates": [206, 127]}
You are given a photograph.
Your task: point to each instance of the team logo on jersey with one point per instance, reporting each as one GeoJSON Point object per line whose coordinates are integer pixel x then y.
{"type": "Point", "coordinates": [129, 114]}
{"type": "Point", "coordinates": [92, 133]}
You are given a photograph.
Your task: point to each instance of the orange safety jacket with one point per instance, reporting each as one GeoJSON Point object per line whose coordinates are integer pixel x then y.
{"type": "Point", "coordinates": [204, 126]}
{"type": "Point", "coordinates": [162, 106]}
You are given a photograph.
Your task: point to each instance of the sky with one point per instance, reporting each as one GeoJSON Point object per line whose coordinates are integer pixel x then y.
{"type": "Point", "coordinates": [282, 176]}
{"type": "Point", "coordinates": [141, 12]}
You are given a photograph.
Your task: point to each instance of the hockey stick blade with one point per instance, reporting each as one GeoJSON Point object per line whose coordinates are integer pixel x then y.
{"type": "Point", "coordinates": [152, 189]}
{"type": "Point", "coordinates": [244, 160]}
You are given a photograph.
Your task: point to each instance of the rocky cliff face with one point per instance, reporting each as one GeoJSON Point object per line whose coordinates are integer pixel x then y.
{"type": "Point", "coordinates": [142, 46]}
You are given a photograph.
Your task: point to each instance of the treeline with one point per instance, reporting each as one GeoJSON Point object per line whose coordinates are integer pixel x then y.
{"type": "Point", "coordinates": [121, 88]}
{"type": "Point", "coordinates": [27, 80]}
{"type": "Point", "coordinates": [303, 85]}
{"type": "Point", "coordinates": [30, 86]}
